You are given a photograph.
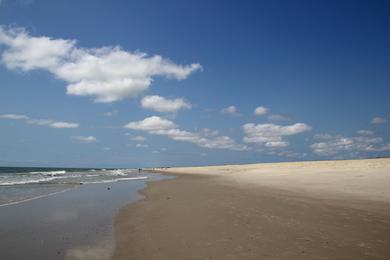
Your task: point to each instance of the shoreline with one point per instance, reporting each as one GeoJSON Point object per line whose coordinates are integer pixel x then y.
{"type": "Point", "coordinates": [221, 214]}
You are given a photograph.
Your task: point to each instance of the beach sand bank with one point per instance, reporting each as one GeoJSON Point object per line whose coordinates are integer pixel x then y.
{"type": "Point", "coordinates": [303, 210]}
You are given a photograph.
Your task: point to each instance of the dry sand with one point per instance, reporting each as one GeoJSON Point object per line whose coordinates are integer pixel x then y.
{"type": "Point", "coordinates": [302, 210]}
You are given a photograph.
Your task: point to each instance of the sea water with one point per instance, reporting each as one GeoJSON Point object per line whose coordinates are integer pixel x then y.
{"type": "Point", "coordinates": [63, 213]}
{"type": "Point", "coordinates": [21, 184]}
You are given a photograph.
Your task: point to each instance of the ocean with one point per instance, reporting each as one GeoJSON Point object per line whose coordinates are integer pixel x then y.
{"type": "Point", "coordinates": [21, 184]}
{"type": "Point", "coordinates": [64, 213]}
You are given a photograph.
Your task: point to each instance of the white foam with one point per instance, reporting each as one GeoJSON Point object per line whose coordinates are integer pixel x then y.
{"type": "Point", "coordinates": [50, 173]}
{"type": "Point", "coordinates": [117, 180]}
{"type": "Point", "coordinates": [116, 173]}
{"type": "Point", "coordinates": [30, 181]}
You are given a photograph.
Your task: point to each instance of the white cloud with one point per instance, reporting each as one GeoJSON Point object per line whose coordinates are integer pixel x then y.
{"type": "Point", "coordinates": [271, 135]}
{"type": "Point", "coordinates": [222, 142]}
{"type": "Point", "coordinates": [161, 104]}
{"type": "Point", "coordinates": [27, 53]}
{"type": "Point", "coordinates": [159, 126]}
{"type": "Point", "coordinates": [365, 132]}
{"type": "Point", "coordinates": [230, 110]}
{"type": "Point", "coordinates": [107, 74]}
{"type": "Point", "coordinates": [137, 138]}
{"type": "Point", "coordinates": [142, 146]}
{"type": "Point", "coordinates": [153, 123]}
{"type": "Point", "coordinates": [350, 145]}
{"type": "Point", "coordinates": [63, 125]}
{"type": "Point", "coordinates": [259, 111]}
{"type": "Point", "coordinates": [42, 122]}
{"type": "Point", "coordinates": [277, 144]}
{"type": "Point", "coordinates": [52, 124]}
{"type": "Point", "coordinates": [13, 116]}
{"type": "Point", "coordinates": [84, 139]}
{"type": "Point", "coordinates": [378, 120]}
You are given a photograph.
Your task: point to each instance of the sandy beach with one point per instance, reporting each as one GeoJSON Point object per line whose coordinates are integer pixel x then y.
{"type": "Point", "coordinates": [302, 210]}
{"type": "Point", "coordinates": [194, 130]}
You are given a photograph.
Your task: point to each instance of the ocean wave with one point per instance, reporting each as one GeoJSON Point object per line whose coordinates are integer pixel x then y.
{"type": "Point", "coordinates": [54, 176]}
{"type": "Point", "coordinates": [30, 181]}
{"type": "Point", "coordinates": [116, 173]}
{"type": "Point", "coordinates": [92, 175]}
{"type": "Point", "coordinates": [50, 173]}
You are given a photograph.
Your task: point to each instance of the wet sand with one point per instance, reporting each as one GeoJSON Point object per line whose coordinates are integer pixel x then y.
{"type": "Point", "coordinates": [243, 212]}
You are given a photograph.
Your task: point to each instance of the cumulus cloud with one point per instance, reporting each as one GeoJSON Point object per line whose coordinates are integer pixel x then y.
{"type": "Point", "coordinates": [153, 123]}
{"type": "Point", "coordinates": [63, 125]}
{"type": "Point", "coordinates": [271, 135]}
{"type": "Point", "coordinates": [161, 104]}
{"type": "Point", "coordinates": [107, 74]}
{"type": "Point", "coordinates": [84, 139]}
{"type": "Point", "coordinates": [52, 124]}
{"type": "Point", "coordinates": [42, 122]}
{"type": "Point", "coordinates": [276, 144]}
{"type": "Point", "coordinates": [159, 126]}
{"type": "Point", "coordinates": [259, 111]}
{"type": "Point", "coordinates": [378, 120]}
{"type": "Point", "coordinates": [14, 117]}
{"type": "Point", "coordinates": [232, 110]}
{"type": "Point", "coordinates": [338, 145]}
{"type": "Point", "coordinates": [27, 53]}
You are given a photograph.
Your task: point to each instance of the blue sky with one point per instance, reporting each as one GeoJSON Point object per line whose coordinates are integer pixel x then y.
{"type": "Point", "coordinates": [149, 83]}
